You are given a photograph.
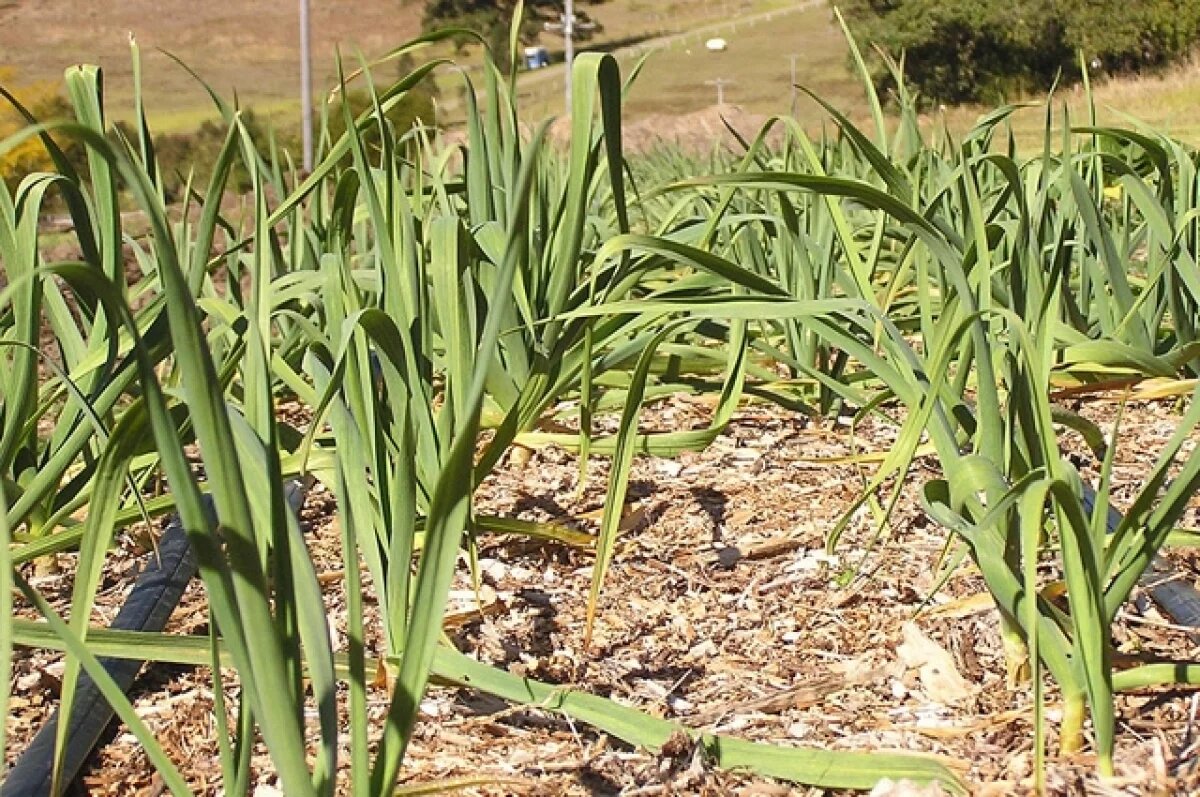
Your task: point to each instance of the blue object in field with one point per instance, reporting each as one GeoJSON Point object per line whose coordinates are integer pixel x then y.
{"type": "Point", "coordinates": [536, 57]}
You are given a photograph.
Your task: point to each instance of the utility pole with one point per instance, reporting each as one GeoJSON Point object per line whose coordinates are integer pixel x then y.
{"type": "Point", "coordinates": [720, 83]}
{"type": "Point", "coordinates": [568, 23]}
{"type": "Point", "coordinates": [795, 90]}
{"type": "Point", "coordinates": [568, 27]}
{"type": "Point", "coordinates": [306, 109]}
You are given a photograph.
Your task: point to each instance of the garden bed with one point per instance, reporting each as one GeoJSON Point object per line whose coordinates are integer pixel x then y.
{"type": "Point", "coordinates": [722, 611]}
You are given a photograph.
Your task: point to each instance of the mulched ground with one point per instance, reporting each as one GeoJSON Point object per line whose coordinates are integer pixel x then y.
{"type": "Point", "coordinates": [722, 610]}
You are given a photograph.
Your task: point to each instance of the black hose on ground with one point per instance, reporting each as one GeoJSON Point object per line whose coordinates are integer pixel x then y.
{"type": "Point", "coordinates": [154, 597]}
{"type": "Point", "coordinates": [1162, 581]}
{"type": "Point", "coordinates": [1174, 593]}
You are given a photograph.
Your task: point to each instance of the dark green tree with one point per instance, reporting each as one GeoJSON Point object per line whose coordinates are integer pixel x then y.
{"type": "Point", "coordinates": [1129, 36]}
{"type": "Point", "coordinates": [492, 19]}
{"type": "Point", "coordinates": [986, 50]}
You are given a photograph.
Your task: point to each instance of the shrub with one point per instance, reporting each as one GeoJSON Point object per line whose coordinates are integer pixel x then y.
{"type": "Point", "coordinates": [45, 102]}
{"type": "Point", "coordinates": [181, 154]}
{"type": "Point", "coordinates": [417, 106]}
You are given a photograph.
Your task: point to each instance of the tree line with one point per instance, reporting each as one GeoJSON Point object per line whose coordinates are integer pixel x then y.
{"type": "Point", "coordinates": [987, 51]}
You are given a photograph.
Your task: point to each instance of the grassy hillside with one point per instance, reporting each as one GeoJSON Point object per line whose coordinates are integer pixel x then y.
{"type": "Point", "coordinates": [761, 38]}
{"type": "Point", "coordinates": [250, 46]}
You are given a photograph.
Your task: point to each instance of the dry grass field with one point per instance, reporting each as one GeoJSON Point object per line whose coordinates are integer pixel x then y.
{"type": "Point", "coordinates": [250, 48]}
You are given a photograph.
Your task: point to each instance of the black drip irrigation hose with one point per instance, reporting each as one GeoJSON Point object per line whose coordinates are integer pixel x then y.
{"type": "Point", "coordinates": [1174, 594]}
{"type": "Point", "coordinates": [150, 604]}
{"type": "Point", "coordinates": [1162, 581]}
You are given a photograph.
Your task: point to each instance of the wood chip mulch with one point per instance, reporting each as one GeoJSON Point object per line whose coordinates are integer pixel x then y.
{"type": "Point", "coordinates": [722, 610]}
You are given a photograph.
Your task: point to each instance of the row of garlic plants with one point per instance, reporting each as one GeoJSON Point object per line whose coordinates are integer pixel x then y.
{"type": "Point", "coordinates": [427, 306]}
{"type": "Point", "coordinates": [970, 284]}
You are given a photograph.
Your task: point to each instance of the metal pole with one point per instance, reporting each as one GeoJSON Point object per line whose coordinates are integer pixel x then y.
{"type": "Point", "coordinates": [720, 83]}
{"type": "Point", "coordinates": [306, 110]}
{"type": "Point", "coordinates": [569, 38]}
